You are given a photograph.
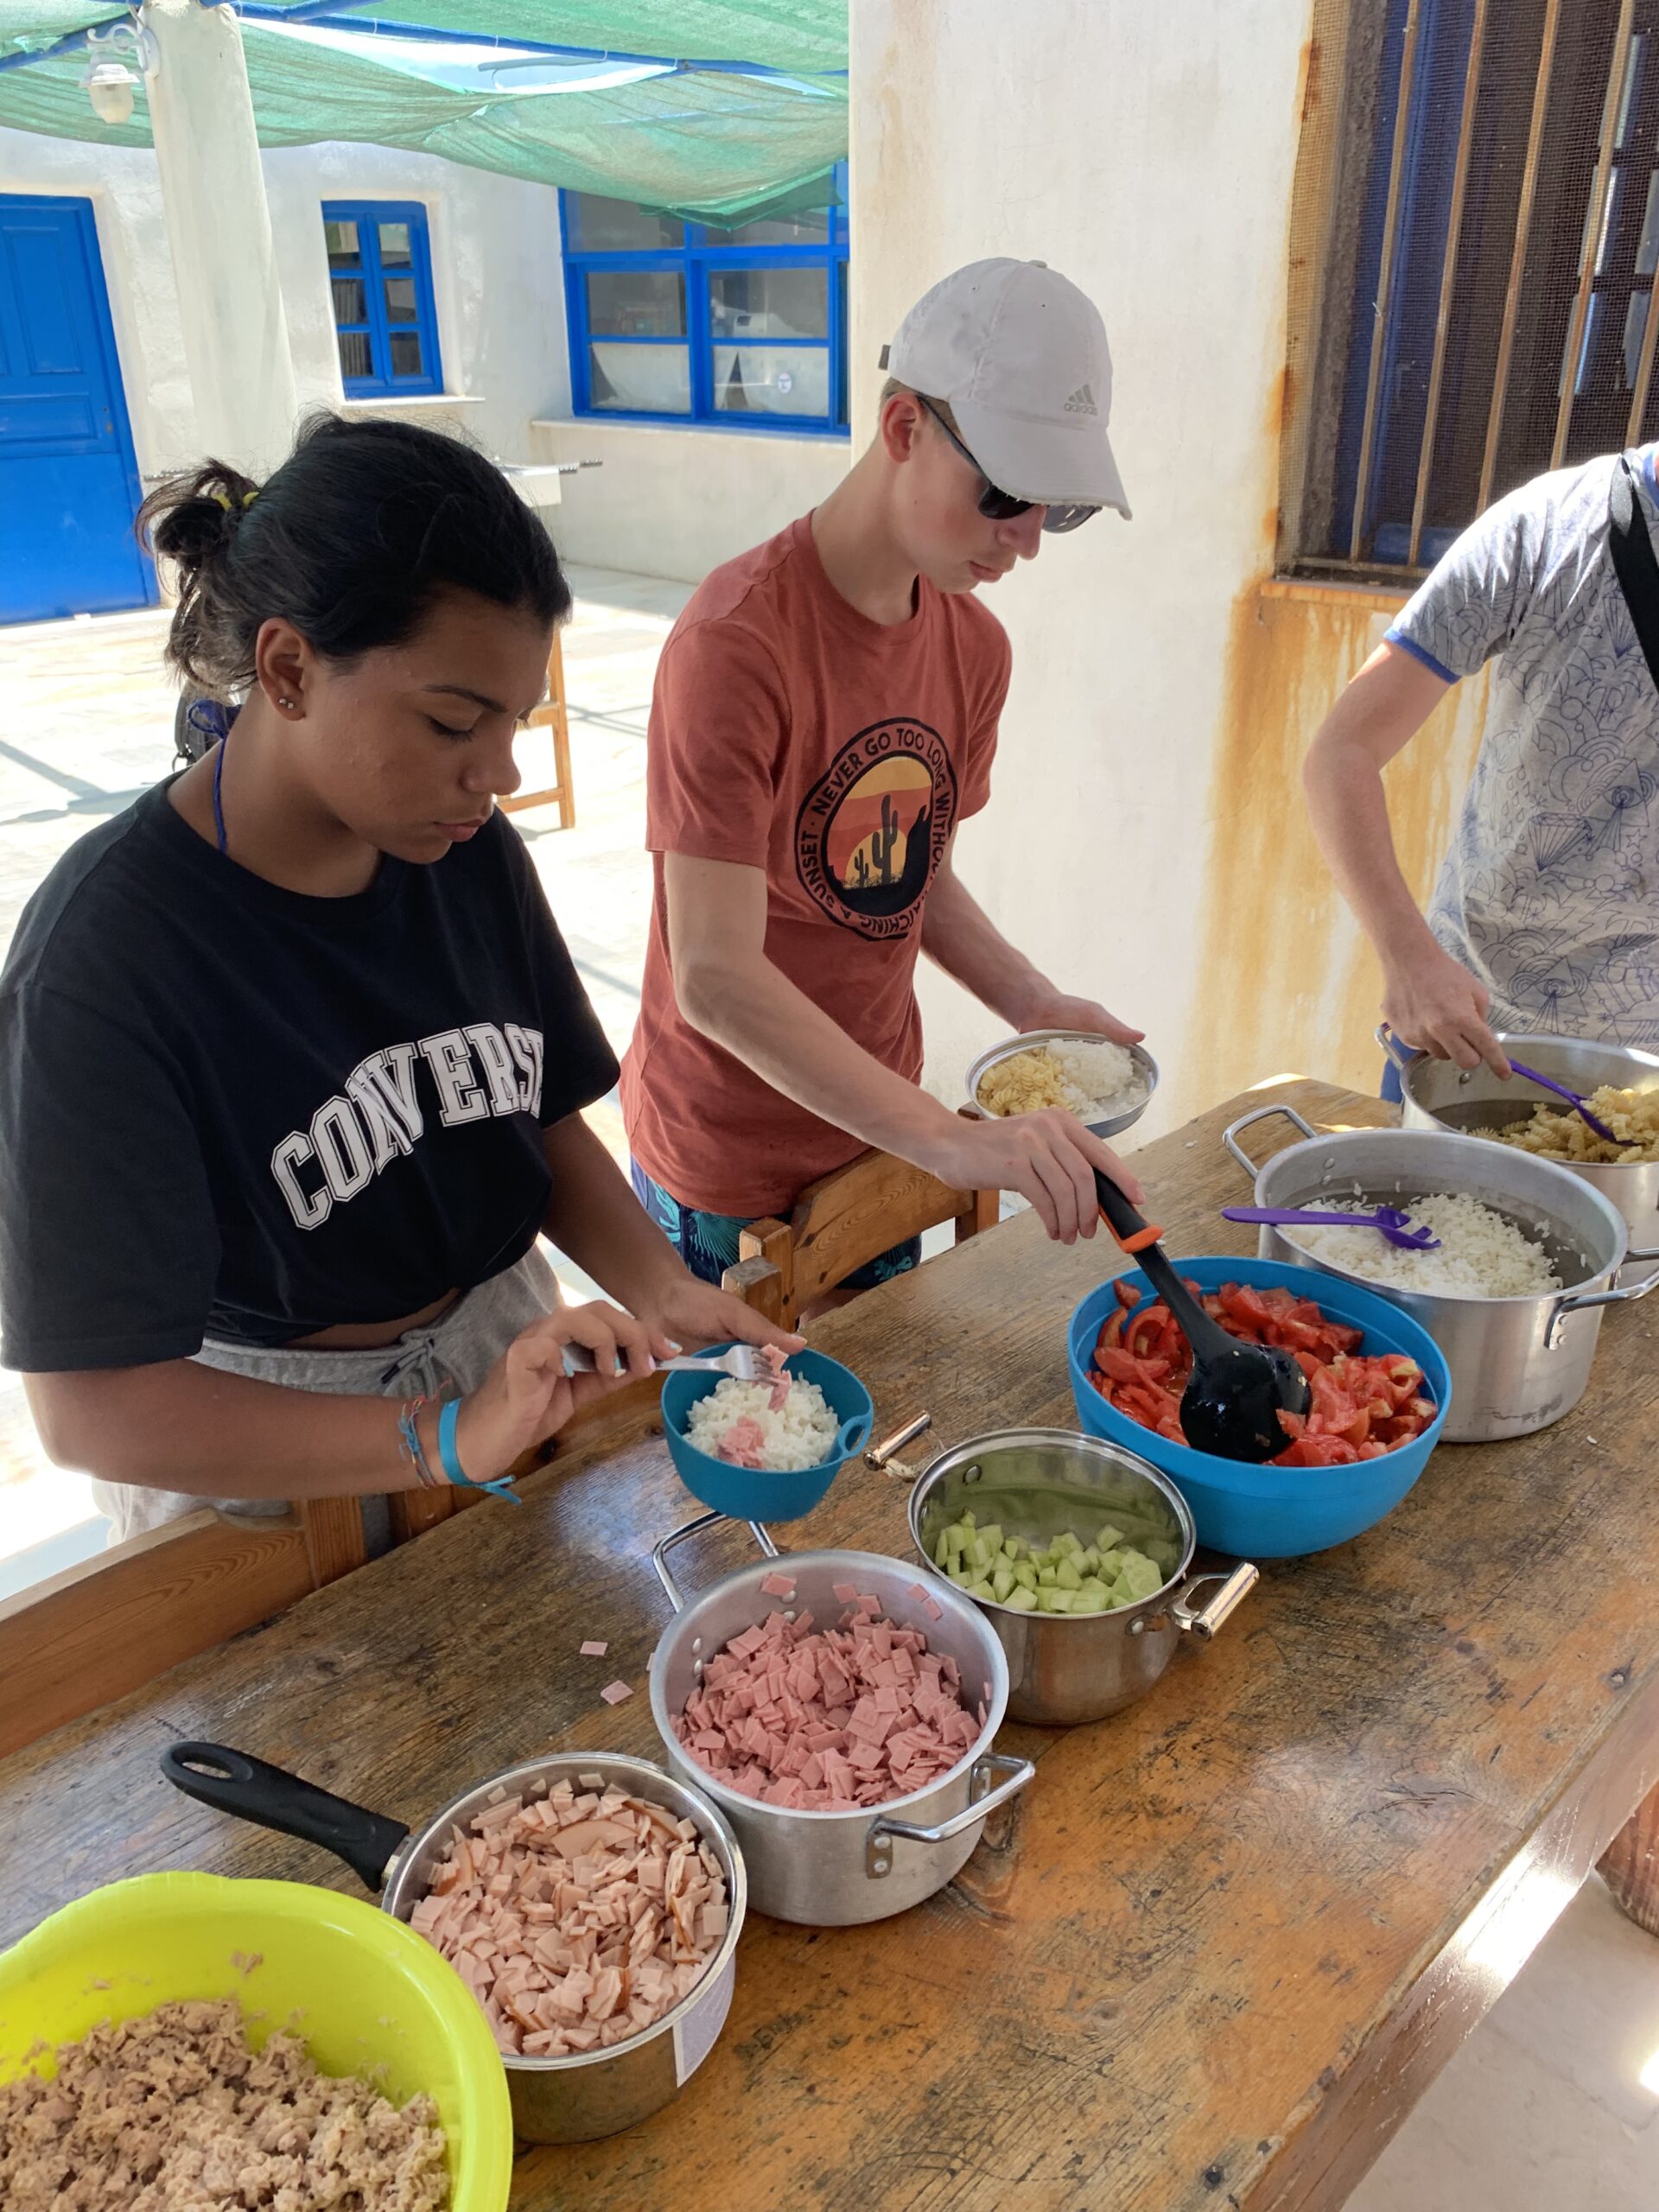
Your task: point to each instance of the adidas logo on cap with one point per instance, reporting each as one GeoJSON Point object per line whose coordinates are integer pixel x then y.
{"type": "Point", "coordinates": [1082, 401]}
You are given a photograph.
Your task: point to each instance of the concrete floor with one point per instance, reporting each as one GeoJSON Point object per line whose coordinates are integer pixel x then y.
{"type": "Point", "coordinates": [1551, 2106]}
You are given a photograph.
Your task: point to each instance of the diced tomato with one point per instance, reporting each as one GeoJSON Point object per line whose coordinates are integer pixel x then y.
{"type": "Point", "coordinates": [1361, 1405]}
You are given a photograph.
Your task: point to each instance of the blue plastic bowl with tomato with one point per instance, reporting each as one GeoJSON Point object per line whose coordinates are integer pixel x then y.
{"type": "Point", "coordinates": [1279, 1510]}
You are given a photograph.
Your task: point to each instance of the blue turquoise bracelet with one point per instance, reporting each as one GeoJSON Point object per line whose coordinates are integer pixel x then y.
{"type": "Point", "coordinates": [501, 1487]}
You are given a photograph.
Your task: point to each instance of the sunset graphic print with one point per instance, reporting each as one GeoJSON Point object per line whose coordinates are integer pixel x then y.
{"type": "Point", "coordinates": [873, 830]}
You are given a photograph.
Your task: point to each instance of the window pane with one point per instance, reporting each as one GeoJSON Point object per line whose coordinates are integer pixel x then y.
{"type": "Point", "coordinates": [772, 380]}
{"type": "Point", "coordinates": [394, 245]}
{"type": "Point", "coordinates": [351, 299]}
{"type": "Point", "coordinates": [1646, 251]}
{"type": "Point", "coordinates": [406, 353]}
{"type": "Point", "coordinates": [598, 226]}
{"type": "Point", "coordinates": [767, 303]}
{"type": "Point", "coordinates": [809, 228]}
{"type": "Point", "coordinates": [636, 302]}
{"type": "Point", "coordinates": [354, 357]}
{"type": "Point", "coordinates": [342, 241]}
{"type": "Point", "coordinates": [644, 379]}
{"type": "Point", "coordinates": [400, 299]}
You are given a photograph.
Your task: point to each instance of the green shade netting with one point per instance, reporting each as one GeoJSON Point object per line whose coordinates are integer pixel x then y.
{"type": "Point", "coordinates": [712, 145]}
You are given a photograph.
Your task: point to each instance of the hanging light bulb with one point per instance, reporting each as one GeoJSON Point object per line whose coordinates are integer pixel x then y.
{"type": "Point", "coordinates": [110, 88]}
{"type": "Point", "coordinates": [110, 81]}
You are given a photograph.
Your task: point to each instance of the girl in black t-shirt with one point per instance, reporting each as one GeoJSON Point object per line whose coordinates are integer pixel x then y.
{"type": "Point", "coordinates": [292, 1054]}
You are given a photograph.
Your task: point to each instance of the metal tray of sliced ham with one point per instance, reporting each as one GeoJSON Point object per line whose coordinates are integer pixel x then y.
{"type": "Point", "coordinates": [924, 1654]}
{"type": "Point", "coordinates": [581, 2094]}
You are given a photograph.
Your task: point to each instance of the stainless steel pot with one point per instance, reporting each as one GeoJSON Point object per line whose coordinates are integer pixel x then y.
{"type": "Point", "coordinates": [571, 2099]}
{"type": "Point", "coordinates": [1110, 1125]}
{"type": "Point", "coordinates": [835, 1869]}
{"type": "Point", "coordinates": [1517, 1363]}
{"type": "Point", "coordinates": [1437, 1095]}
{"type": "Point", "coordinates": [1065, 1668]}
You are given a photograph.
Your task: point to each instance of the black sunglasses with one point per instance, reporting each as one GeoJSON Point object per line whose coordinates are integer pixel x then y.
{"type": "Point", "coordinates": [1002, 506]}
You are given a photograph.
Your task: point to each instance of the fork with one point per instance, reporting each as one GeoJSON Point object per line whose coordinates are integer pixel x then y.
{"type": "Point", "coordinates": [744, 1362]}
{"type": "Point", "coordinates": [1392, 1223]}
{"type": "Point", "coordinates": [1574, 1099]}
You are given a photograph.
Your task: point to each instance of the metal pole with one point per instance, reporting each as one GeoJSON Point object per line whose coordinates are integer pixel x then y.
{"type": "Point", "coordinates": [1518, 258]}
{"type": "Point", "coordinates": [1448, 279]}
{"type": "Point", "coordinates": [1385, 278]}
{"type": "Point", "coordinates": [1591, 252]}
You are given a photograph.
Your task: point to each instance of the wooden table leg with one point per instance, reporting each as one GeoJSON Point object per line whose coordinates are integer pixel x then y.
{"type": "Point", "coordinates": [1630, 1866]}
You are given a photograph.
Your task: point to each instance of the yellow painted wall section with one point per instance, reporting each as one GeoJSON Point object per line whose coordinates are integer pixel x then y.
{"type": "Point", "coordinates": [1288, 980]}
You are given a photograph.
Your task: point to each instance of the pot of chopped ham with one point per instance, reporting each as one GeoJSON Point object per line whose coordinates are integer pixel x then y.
{"type": "Point", "coordinates": [840, 1713]}
{"type": "Point", "coordinates": [591, 1903]}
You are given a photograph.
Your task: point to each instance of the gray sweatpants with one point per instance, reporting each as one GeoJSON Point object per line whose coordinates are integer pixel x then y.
{"type": "Point", "coordinates": [458, 1350]}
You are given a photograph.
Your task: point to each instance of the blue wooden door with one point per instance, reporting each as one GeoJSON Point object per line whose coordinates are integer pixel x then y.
{"type": "Point", "coordinates": [68, 481]}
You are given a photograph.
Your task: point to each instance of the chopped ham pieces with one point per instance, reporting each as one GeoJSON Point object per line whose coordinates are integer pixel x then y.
{"type": "Point", "coordinates": [775, 1356]}
{"type": "Point", "coordinates": [613, 1692]}
{"type": "Point", "coordinates": [816, 1720]}
{"type": "Point", "coordinates": [778, 1586]}
{"type": "Point", "coordinates": [595, 1650]}
{"type": "Point", "coordinates": [577, 1919]}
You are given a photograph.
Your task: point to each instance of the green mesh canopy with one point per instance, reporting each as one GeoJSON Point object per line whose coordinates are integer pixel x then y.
{"type": "Point", "coordinates": [712, 143]}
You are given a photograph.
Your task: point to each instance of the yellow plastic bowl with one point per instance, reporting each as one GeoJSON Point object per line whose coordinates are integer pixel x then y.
{"type": "Point", "coordinates": [369, 1996]}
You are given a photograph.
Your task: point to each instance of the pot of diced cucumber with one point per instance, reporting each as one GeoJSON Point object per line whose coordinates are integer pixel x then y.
{"type": "Point", "coordinates": [1078, 1552]}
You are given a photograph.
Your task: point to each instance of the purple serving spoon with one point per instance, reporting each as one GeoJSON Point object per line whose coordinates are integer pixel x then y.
{"type": "Point", "coordinates": [1387, 1220]}
{"type": "Point", "coordinates": [1574, 1099]}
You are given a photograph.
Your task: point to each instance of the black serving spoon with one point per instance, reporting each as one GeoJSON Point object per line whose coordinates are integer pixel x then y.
{"type": "Point", "coordinates": [1236, 1391]}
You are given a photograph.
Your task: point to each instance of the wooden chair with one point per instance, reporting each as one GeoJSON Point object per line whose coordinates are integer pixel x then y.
{"type": "Point", "coordinates": [554, 713]}
{"type": "Point", "coordinates": [79, 1639]}
{"type": "Point", "coordinates": [841, 1222]}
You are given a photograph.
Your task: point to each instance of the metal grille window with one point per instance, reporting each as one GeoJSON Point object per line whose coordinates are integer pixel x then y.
{"type": "Point", "coordinates": [380, 276]}
{"type": "Point", "coordinates": [1476, 238]}
{"type": "Point", "coordinates": [675, 321]}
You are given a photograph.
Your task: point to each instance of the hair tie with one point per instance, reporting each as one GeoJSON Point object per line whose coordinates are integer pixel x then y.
{"type": "Point", "coordinates": [248, 498]}
{"type": "Point", "coordinates": [222, 500]}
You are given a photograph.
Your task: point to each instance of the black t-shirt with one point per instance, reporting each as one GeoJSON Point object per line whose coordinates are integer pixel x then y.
{"type": "Point", "coordinates": [234, 1110]}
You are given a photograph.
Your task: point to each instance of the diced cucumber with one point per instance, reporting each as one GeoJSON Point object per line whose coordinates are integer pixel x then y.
{"type": "Point", "coordinates": [1026, 1575]}
{"type": "Point", "coordinates": [1021, 1600]}
{"type": "Point", "coordinates": [1045, 1577]}
{"type": "Point", "coordinates": [1002, 1583]}
{"type": "Point", "coordinates": [1108, 1537]}
{"type": "Point", "coordinates": [1066, 1575]}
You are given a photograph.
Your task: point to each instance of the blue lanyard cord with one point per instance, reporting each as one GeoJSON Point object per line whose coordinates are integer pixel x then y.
{"type": "Point", "coordinates": [218, 778]}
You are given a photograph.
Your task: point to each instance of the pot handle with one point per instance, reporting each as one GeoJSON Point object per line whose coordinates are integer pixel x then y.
{"type": "Point", "coordinates": [1204, 1620]}
{"type": "Point", "coordinates": [1577, 1304]}
{"type": "Point", "coordinates": [270, 1797]}
{"type": "Point", "coordinates": [878, 1841]}
{"type": "Point", "coordinates": [678, 1536]}
{"type": "Point", "coordinates": [1229, 1134]}
{"type": "Point", "coordinates": [1404, 1055]}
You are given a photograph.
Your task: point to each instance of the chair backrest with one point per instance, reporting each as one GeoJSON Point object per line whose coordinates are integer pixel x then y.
{"type": "Point", "coordinates": [70, 1645]}
{"type": "Point", "coordinates": [839, 1224]}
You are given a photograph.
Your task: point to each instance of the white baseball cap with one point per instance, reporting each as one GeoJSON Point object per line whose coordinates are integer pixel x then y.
{"type": "Point", "coordinates": [1019, 354]}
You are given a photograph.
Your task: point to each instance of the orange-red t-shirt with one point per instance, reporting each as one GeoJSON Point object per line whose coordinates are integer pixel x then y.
{"type": "Point", "coordinates": [791, 732]}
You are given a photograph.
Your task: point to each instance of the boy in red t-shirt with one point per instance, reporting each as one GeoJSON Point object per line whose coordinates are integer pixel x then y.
{"type": "Point", "coordinates": [825, 715]}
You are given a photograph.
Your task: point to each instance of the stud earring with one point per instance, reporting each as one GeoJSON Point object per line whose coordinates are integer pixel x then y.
{"type": "Point", "coordinates": [285, 702]}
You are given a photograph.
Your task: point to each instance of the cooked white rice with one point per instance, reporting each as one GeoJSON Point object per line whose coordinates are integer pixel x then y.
{"type": "Point", "coordinates": [801, 1434]}
{"type": "Point", "coordinates": [1092, 1079]}
{"type": "Point", "coordinates": [1481, 1253]}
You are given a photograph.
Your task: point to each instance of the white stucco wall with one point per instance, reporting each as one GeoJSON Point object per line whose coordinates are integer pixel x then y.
{"type": "Point", "coordinates": [677, 503]}
{"type": "Point", "coordinates": [1152, 161]}
{"type": "Point", "coordinates": [666, 502]}
{"type": "Point", "coordinates": [495, 266]}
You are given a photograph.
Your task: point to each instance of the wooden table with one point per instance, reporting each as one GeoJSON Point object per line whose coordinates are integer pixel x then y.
{"type": "Point", "coordinates": [1228, 1938]}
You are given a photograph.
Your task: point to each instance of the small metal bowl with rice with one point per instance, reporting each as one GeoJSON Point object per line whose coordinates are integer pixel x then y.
{"type": "Point", "coordinates": [1066, 1068]}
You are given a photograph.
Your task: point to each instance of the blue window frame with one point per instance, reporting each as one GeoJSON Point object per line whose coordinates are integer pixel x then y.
{"type": "Point", "coordinates": [380, 276]}
{"type": "Point", "coordinates": [1496, 200]}
{"type": "Point", "coordinates": [670, 321]}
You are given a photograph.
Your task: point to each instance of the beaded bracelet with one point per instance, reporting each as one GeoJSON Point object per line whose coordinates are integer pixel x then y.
{"type": "Point", "coordinates": [502, 1485]}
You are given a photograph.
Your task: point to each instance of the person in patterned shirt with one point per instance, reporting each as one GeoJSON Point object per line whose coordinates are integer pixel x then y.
{"type": "Point", "coordinates": [1545, 916]}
